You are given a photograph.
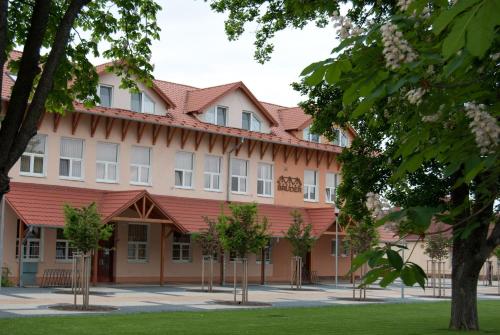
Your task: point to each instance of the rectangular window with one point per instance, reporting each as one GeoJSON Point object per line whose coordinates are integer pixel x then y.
{"type": "Point", "coordinates": [250, 121]}
{"type": "Point", "coordinates": [141, 103]}
{"type": "Point", "coordinates": [184, 169]}
{"type": "Point", "coordinates": [137, 242]}
{"type": "Point", "coordinates": [333, 247]}
{"type": "Point", "coordinates": [64, 251]}
{"type": "Point", "coordinates": [265, 179]}
{"type": "Point", "coordinates": [344, 247]}
{"type": "Point", "coordinates": [105, 95]}
{"type": "Point", "coordinates": [341, 138]}
{"type": "Point", "coordinates": [331, 187]}
{"type": "Point", "coordinates": [217, 116]}
{"type": "Point", "coordinates": [239, 175]}
{"type": "Point", "coordinates": [267, 254]}
{"type": "Point", "coordinates": [311, 137]}
{"type": "Point", "coordinates": [310, 185]}
{"type": "Point", "coordinates": [32, 246]}
{"type": "Point", "coordinates": [212, 173]}
{"type": "Point", "coordinates": [181, 247]}
{"type": "Point", "coordinates": [107, 162]}
{"type": "Point", "coordinates": [33, 158]}
{"type": "Point", "coordinates": [71, 160]}
{"type": "Point", "coordinates": [140, 165]}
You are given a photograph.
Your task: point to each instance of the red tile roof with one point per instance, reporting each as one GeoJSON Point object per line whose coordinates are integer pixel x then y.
{"type": "Point", "coordinates": [42, 205]}
{"type": "Point", "coordinates": [294, 118]}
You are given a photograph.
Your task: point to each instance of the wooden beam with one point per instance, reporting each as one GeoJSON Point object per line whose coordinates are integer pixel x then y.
{"type": "Point", "coordinates": [125, 127]}
{"type": "Point", "coordinates": [225, 143]}
{"type": "Point", "coordinates": [287, 151]}
{"type": "Point", "coordinates": [298, 153]}
{"type": "Point", "coordinates": [140, 130]}
{"type": "Point", "coordinates": [75, 121]}
{"type": "Point", "coordinates": [57, 120]}
{"type": "Point", "coordinates": [197, 139]}
{"type": "Point", "coordinates": [137, 209]}
{"type": "Point", "coordinates": [162, 252]}
{"type": "Point", "coordinates": [184, 137]}
{"type": "Point", "coordinates": [143, 220]}
{"type": "Point", "coordinates": [143, 207]}
{"type": "Point", "coordinates": [212, 139]}
{"type": "Point", "coordinates": [319, 157]}
{"type": "Point", "coordinates": [276, 149]}
{"type": "Point", "coordinates": [263, 148]}
{"type": "Point", "coordinates": [329, 159]}
{"type": "Point", "coordinates": [170, 135]}
{"type": "Point", "coordinates": [237, 146]}
{"type": "Point", "coordinates": [309, 155]}
{"type": "Point", "coordinates": [251, 147]}
{"type": "Point", "coordinates": [94, 122]}
{"type": "Point", "coordinates": [149, 210]}
{"type": "Point", "coordinates": [109, 126]}
{"type": "Point", "coordinates": [156, 132]}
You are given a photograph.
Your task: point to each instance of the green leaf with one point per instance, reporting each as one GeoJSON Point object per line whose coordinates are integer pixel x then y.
{"type": "Point", "coordinates": [345, 65]}
{"type": "Point", "coordinates": [371, 276]}
{"type": "Point", "coordinates": [389, 277]}
{"type": "Point", "coordinates": [374, 257]}
{"type": "Point", "coordinates": [315, 77]}
{"type": "Point", "coordinates": [395, 259]}
{"type": "Point", "coordinates": [333, 73]}
{"type": "Point", "coordinates": [443, 20]}
{"type": "Point", "coordinates": [362, 108]}
{"type": "Point", "coordinates": [408, 276]}
{"type": "Point", "coordinates": [456, 38]}
{"type": "Point", "coordinates": [481, 31]}
{"type": "Point", "coordinates": [311, 67]}
{"type": "Point", "coordinates": [350, 95]}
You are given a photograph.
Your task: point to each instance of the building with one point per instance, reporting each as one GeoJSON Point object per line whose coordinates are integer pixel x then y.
{"type": "Point", "coordinates": [155, 163]}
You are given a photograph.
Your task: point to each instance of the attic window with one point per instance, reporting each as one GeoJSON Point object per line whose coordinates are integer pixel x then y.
{"type": "Point", "coordinates": [216, 116]}
{"type": "Point", "coordinates": [141, 103]}
{"type": "Point", "coordinates": [341, 138]}
{"type": "Point", "coordinates": [311, 137]}
{"type": "Point", "coordinates": [250, 122]}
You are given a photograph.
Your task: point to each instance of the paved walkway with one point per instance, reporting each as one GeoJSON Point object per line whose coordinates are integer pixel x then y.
{"type": "Point", "coordinates": [18, 302]}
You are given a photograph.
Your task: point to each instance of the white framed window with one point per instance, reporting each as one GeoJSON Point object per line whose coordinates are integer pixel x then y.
{"type": "Point", "coordinates": [250, 121]}
{"type": "Point", "coordinates": [140, 102]}
{"type": "Point", "coordinates": [33, 160]}
{"type": "Point", "coordinates": [341, 138]}
{"type": "Point", "coordinates": [265, 179]}
{"type": "Point", "coordinates": [331, 181]}
{"type": "Point", "coordinates": [217, 115]}
{"type": "Point", "coordinates": [212, 173]}
{"type": "Point", "coordinates": [71, 158]}
{"type": "Point", "coordinates": [64, 250]}
{"type": "Point", "coordinates": [107, 162]}
{"type": "Point", "coordinates": [239, 175]}
{"type": "Point", "coordinates": [32, 249]}
{"type": "Point", "coordinates": [310, 185]}
{"type": "Point", "coordinates": [138, 242]}
{"type": "Point", "coordinates": [184, 169]}
{"type": "Point", "coordinates": [105, 95]}
{"type": "Point", "coordinates": [140, 166]}
{"type": "Point", "coordinates": [344, 247]}
{"type": "Point", "coordinates": [268, 251]}
{"type": "Point", "coordinates": [311, 137]}
{"type": "Point", "coordinates": [181, 247]}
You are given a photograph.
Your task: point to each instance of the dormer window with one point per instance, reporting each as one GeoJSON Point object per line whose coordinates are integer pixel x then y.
{"type": "Point", "coordinates": [217, 116]}
{"type": "Point", "coordinates": [250, 122]}
{"type": "Point", "coordinates": [341, 138]}
{"type": "Point", "coordinates": [142, 103]}
{"type": "Point", "coordinates": [105, 95]}
{"type": "Point", "coordinates": [311, 137]}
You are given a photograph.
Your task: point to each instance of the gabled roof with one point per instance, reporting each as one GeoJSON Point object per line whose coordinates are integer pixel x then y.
{"type": "Point", "coordinates": [294, 118]}
{"type": "Point", "coordinates": [198, 100]}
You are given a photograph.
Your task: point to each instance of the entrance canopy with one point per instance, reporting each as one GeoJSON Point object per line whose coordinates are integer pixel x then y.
{"type": "Point", "coordinates": [42, 205]}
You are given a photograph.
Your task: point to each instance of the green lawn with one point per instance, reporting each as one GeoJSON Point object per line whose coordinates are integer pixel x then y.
{"type": "Point", "coordinates": [416, 318]}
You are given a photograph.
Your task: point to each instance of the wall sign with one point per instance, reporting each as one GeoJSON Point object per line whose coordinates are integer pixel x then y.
{"type": "Point", "coordinates": [289, 184]}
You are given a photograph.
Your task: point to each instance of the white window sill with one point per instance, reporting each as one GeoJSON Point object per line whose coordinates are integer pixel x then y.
{"type": "Point", "coordinates": [265, 196]}
{"type": "Point", "coordinates": [184, 187]}
{"type": "Point", "coordinates": [104, 181]}
{"type": "Point", "coordinates": [240, 193]}
{"type": "Point", "coordinates": [135, 183]}
{"type": "Point", "coordinates": [267, 262]}
{"type": "Point", "coordinates": [330, 202]}
{"type": "Point", "coordinates": [71, 178]}
{"type": "Point", "coordinates": [310, 200]}
{"type": "Point", "coordinates": [212, 190]}
{"type": "Point", "coordinates": [30, 260]}
{"type": "Point", "coordinates": [137, 261]}
{"type": "Point", "coordinates": [36, 175]}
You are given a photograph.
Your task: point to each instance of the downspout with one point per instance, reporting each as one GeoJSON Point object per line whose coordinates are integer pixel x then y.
{"type": "Point", "coordinates": [236, 146]}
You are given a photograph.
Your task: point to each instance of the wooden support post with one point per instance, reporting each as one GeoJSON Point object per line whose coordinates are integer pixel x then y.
{"type": "Point", "coordinates": [263, 267]}
{"type": "Point", "coordinates": [162, 253]}
{"type": "Point", "coordinates": [94, 267]}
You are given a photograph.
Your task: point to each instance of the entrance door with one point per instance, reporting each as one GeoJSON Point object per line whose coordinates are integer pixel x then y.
{"type": "Point", "coordinates": [105, 259]}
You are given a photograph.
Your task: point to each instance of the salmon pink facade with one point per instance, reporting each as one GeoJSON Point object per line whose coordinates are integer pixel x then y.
{"type": "Point", "coordinates": [157, 162]}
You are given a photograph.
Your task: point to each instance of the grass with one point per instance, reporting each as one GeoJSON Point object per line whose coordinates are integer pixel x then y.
{"type": "Point", "coordinates": [387, 319]}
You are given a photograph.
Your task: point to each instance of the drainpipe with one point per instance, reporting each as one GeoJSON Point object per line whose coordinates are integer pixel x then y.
{"type": "Point", "coordinates": [2, 223]}
{"type": "Point", "coordinates": [236, 146]}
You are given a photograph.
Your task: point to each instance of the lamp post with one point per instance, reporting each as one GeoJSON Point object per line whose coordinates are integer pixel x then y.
{"type": "Point", "coordinates": [402, 284]}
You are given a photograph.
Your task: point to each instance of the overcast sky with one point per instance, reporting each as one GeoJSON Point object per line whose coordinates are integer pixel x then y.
{"type": "Point", "coordinates": [194, 50]}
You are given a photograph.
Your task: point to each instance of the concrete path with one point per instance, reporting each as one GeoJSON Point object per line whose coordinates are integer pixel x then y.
{"type": "Point", "coordinates": [19, 302]}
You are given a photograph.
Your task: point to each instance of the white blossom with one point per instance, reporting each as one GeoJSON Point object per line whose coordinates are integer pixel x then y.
{"type": "Point", "coordinates": [483, 126]}
{"type": "Point", "coordinates": [404, 4]}
{"type": "Point", "coordinates": [396, 48]}
{"type": "Point", "coordinates": [345, 26]}
{"type": "Point", "coordinates": [495, 57]}
{"type": "Point", "coordinates": [375, 204]}
{"type": "Point", "coordinates": [415, 96]}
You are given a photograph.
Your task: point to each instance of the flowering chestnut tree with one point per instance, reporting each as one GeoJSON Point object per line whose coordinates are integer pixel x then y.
{"type": "Point", "coordinates": [418, 80]}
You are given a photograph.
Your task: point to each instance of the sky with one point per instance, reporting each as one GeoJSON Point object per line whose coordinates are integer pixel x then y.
{"type": "Point", "coordinates": [194, 50]}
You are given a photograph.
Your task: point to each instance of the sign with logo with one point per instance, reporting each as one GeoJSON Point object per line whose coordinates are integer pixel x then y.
{"type": "Point", "coordinates": [289, 184]}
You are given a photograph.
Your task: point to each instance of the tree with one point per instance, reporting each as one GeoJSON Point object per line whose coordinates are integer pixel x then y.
{"type": "Point", "coordinates": [54, 70]}
{"type": "Point", "coordinates": [210, 246]}
{"type": "Point", "coordinates": [301, 240]}
{"type": "Point", "coordinates": [84, 229]}
{"type": "Point", "coordinates": [242, 233]}
{"type": "Point", "coordinates": [418, 80]}
{"type": "Point", "coordinates": [437, 248]}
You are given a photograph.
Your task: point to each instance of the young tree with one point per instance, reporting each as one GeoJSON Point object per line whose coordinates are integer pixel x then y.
{"type": "Point", "coordinates": [210, 247]}
{"type": "Point", "coordinates": [57, 38]}
{"type": "Point", "coordinates": [301, 240]}
{"type": "Point", "coordinates": [242, 233]}
{"type": "Point", "coordinates": [84, 229]}
{"type": "Point", "coordinates": [437, 248]}
{"type": "Point", "coordinates": [418, 80]}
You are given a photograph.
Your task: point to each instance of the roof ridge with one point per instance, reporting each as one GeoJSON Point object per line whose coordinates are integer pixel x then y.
{"type": "Point", "coordinates": [171, 82]}
{"type": "Point", "coordinates": [270, 103]}
{"type": "Point", "coordinates": [216, 86]}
